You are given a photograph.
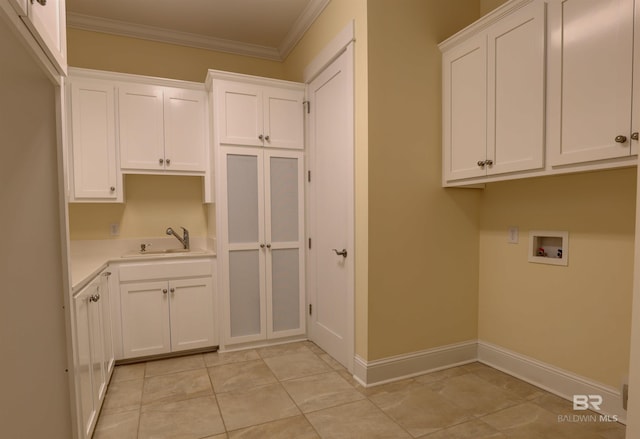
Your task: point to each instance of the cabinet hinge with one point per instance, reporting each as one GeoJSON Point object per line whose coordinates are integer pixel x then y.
{"type": "Point", "coordinates": [309, 243]}
{"type": "Point", "coordinates": [307, 106]}
{"type": "Point", "coordinates": [310, 309]}
{"type": "Point", "coordinates": [309, 176]}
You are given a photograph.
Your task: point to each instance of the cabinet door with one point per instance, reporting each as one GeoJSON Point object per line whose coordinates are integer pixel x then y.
{"type": "Point", "coordinates": [465, 109]}
{"type": "Point", "coordinates": [185, 130]}
{"type": "Point", "coordinates": [192, 314]}
{"type": "Point", "coordinates": [239, 114]}
{"type": "Point", "coordinates": [243, 245]}
{"type": "Point", "coordinates": [590, 69]}
{"type": "Point", "coordinates": [105, 300]}
{"type": "Point", "coordinates": [47, 23]}
{"type": "Point", "coordinates": [95, 174]}
{"type": "Point", "coordinates": [141, 127]}
{"type": "Point", "coordinates": [98, 372]}
{"type": "Point", "coordinates": [83, 362]}
{"type": "Point", "coordinates": [516, 73]}
{"type": "Point", "coordinates": [284, 213]}
{"type": "Point", "coordinates": [145, 319]}
{"type": "Point", "coordinates": [283, 118]}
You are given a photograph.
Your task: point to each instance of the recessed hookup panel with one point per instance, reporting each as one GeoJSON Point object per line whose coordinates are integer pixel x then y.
{"type": "Point", "coordinates": [549, 247]}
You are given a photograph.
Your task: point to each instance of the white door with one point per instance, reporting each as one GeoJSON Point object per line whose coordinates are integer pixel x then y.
{"type": "Point", "coordinates": [331, 207]}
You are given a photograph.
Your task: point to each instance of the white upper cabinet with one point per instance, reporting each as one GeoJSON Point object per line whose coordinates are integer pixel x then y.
{"type": "Point", "coordinates": [141, 127]}
{"type": "Point", "coordinates": [493, 96]}
{"type": "Point", "coordinates": [185, 139]}
{"type": "Point", "coordinates": [46, 20]}
{"type": "Point", "coordinates": [251, 114]}
{"type": "Point", "coordinates": [96, 176]}
{"type": "Point", "coordinates": [162, 129]}
{"type": "Point", "coordinates": [465, 109]}
{"type": "Point", "coordinates": [590, 80]}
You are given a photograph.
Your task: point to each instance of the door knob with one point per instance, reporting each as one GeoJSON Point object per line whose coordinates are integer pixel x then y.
{"type": "Point", "coordinates": [342, 253]}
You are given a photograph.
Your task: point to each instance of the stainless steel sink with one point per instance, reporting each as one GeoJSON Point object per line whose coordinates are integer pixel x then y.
{"type": "Point", "coordinates": [165, 252]}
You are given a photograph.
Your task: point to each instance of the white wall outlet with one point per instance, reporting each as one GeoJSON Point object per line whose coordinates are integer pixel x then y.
{"type": "Point", "coordinates": [513, 235]}
{"type": "Point", "coordinates": [114, 229]}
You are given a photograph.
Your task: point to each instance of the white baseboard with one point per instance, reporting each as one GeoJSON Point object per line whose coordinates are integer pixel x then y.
{"type": "Point", "coordinates": [372, 373]}
{"type": "Point", "coordinates": [560, 382]}
{"type": "Point", "coordinates": [550, 378]}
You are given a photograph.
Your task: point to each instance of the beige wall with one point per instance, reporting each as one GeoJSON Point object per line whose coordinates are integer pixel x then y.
{"type": "Point", "coordinates": [153, 203]}
{"type": "Point", "coordinates": [93, 50]}
{"type": "Point", "coordinates": [577, 317]}
{"type": "Point", "coordinates": [337, 15]}
{"type": "Point", "coordinates": [423, 239]}
{"type": "Point", "coordinates": [487, 6]}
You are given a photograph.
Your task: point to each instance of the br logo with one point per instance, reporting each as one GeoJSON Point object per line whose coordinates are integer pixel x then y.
{"type": "Point", "coordinates": [586, 402]}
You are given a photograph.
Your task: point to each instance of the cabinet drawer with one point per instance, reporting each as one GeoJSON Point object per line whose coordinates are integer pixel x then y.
{"type": "Point", "coordinates": [165, 270]}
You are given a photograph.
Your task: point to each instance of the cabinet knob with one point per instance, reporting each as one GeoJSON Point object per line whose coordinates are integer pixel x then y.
{"type": "Point", "coordinates": [94, 298]}
{"type": "Point", "coordinates": [489, 162]}
{"type": "Point", "coordinates": [261, 245]}
{"type": "Point", "coordinates": [481, 163]}
{"type": "Point", "coordinates": [112, 188]}
{"type": "Point", "coordinates": [261, 137]}
{"type": "Point", "coordinates": [161, 161]}
{"type": "Point", "coordinates": [168, 162]}
{"type": "Point", "coordinates": [267, 138]}
{"type": "Point", "coordinates": [164, 291]}
{"type": "Point", "coordinates": [42, 2]}
{"type": "Point", "coordinates": [620, 139]}
{"type": "Point", "coordinates": [268, 245]}
{"type": "Point", "coordinates": [173, 290]}
{"type": "Point", "coordinates": [634, 136]}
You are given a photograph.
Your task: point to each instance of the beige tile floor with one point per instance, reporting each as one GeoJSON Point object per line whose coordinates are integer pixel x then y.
{"type": "Point", "coordinates": [297, 391]}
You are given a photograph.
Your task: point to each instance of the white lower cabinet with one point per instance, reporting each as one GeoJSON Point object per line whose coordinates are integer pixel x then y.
{"type": "Point", "coordinates": [163, 311]}
{"type": "Point", "coordinates": [94, 358]}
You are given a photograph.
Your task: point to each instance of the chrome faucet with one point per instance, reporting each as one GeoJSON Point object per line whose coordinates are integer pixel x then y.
{"type": "Point", "coordinates": [185, 236]}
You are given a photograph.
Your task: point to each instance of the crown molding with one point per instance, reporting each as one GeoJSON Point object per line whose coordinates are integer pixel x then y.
{"type": "Point", "coordinates": [116, 27]}
{"type": "Point", "coordinates": [302, 24]}
{"type": "Point", "coordinates": [152, 33]}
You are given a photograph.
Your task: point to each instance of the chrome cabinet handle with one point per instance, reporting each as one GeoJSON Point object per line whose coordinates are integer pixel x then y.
{"type": "Point", "coordinates": [342, 253]}
{"type": "Point", "coordinates": [620, 139]}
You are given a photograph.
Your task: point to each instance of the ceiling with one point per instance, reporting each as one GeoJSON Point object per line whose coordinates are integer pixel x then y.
{"type": "Point", "coordinates": [261, 28]}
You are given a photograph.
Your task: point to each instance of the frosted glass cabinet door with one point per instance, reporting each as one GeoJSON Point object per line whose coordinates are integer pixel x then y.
{"type": "Point", "coordinates": [284, 204]}
{"type": "Point", "coordinates": [245, 245]}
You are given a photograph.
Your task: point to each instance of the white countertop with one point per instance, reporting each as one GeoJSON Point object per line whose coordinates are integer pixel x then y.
{"type": "Point", "coordinates": [89, 258]}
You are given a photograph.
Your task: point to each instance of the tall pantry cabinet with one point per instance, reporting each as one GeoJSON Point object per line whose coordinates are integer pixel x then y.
{"type": "Point", "coordinates": [258, 145]}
